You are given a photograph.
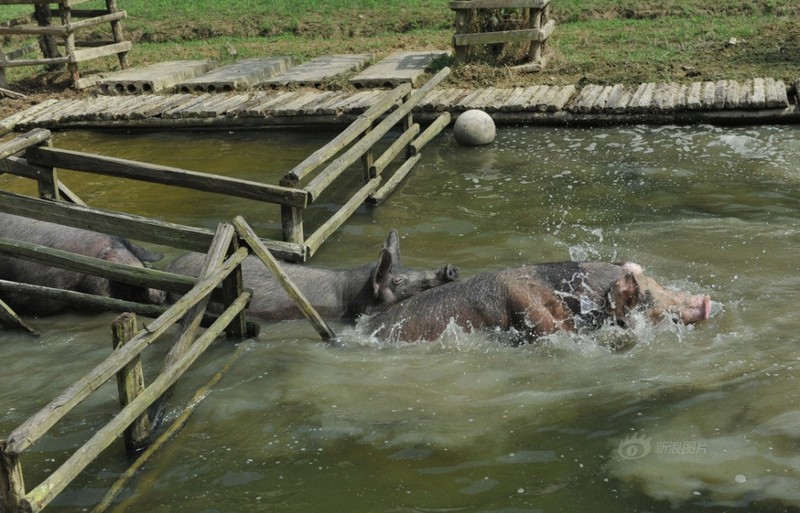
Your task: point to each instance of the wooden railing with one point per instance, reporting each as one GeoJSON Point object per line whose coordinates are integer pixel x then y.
{"type": "Point", "coordinates": [298, 190]}
{"type": "Point", "coordinates": [231, 244]}
{"type": "Point", "coordinates": [536, 27]}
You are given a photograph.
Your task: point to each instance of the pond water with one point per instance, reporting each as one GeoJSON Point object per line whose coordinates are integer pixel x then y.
{"type": "Point", "coordinates": [700, 418]}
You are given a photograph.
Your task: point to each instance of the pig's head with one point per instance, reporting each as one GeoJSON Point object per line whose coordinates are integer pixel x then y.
{"type": "Point", "coordinates": [391, 283]}
{"type": "Point", "coordinates": [637, 291]}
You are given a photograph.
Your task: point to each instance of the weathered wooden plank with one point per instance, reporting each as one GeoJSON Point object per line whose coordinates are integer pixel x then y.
{"type": "Point", "coordinates": [314, 72]}
{"type": "Point", "coordinates": [694, 96]}
{"type": "Point", "coordinates": [506, 36]}
{"type": "Point", "coordinates": [238, 75]}
{"type": "Point", "coordinates": [529, 98]}
{"type": "Point", "coordinates": [491, 4]}
{"type": "Point", "coordinates": [709, 95]}
{"type": "Point", "coordinates": [511, 104]}
{"type": "Point", "coordinates": [317, 100]}
{"type": "Point", "coordinates": [547, 102]}
{"type": "Point", "coordinates": [23, 142]}
{"type": "Point", "coordinates": [496, 102]}
{"type": "Point", "coordinates": [222, 108]}
{"type": "Point", "coordinates": [758, 100]}
{"type": "Point", "coordinates": [719, 94]}
{"type": "Point", "coordinates": [680, 99]}
{"type": "Point", "coordinates": [122, 109]}
{"type": "Point", "coordinates": [586, 98]}
{"type": "Point", "coordinates": [746, 93]}
{"type": "Point", "coordinates": [23, 117]}
{"type": "Point", "coordinates": [328, 106]}
{"type": "Point", "coordinates": [175, 112]}
{"type": "Point", "coordinates": [156, 105]}
{"type": "Point", "coordinates": [664, 96]}
{"type": "Point", "coordinates": [647, 97]}
{"type": "Point", "coordinates": [201, 109]}
{"type": "Point", "coordinates": [397, 68]}
{"type": "Point", "coordinates": [616, 99]}
{"type": "Point", "coordinates": [775, 93]}
{"type": "Point", "coordinates": [467, 101]}
{"type": "Point", "coordinates": [56, 157]}
{"type": "Point", "coordinates": [561, 98]}
{"type": "Point", "coordinates": [488, 98]}
{"type": "Point", "coordinates": [256, 98]}
{"type": "Point", "coordinates": [732, 95]}
{"type": "Point", "coordinates": [364, 102]}
{"type": "Point", "coordinates": [428, 104]}
{"type": "Point", "coordinates": [271, 107]}
{"type": "Point", "coordinates": [447, 102]}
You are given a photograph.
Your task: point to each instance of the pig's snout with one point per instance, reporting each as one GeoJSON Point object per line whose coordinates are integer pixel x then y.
{"type": "Point", "coordinates": [698, 309]}
{"type": "Point", "coordinates": [448, 273]}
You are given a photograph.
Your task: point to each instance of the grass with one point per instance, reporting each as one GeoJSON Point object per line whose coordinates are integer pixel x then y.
{"type": "Point", "coordinates": [599, 41]}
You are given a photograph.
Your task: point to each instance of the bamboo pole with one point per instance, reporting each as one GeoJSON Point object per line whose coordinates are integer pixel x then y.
{"type": "Point", "coordinates": [32, 429]}
{"type": "Point", "coordinates": [400, 144]}
{"type": "Point", "coordinates": [432, 131]}
{"type": "Point", "coordinates": [356, 128]}
{"type": "Point", "coordinates": [261, 251]}
{"type": "Point", "coordinates": [330, 173]}
{"type": "Point", "coordinates": [130, 382]}
{"type": "Point", "coordinates": [35, 500]}
{"type": "Point", "coordinates": [391, 184]}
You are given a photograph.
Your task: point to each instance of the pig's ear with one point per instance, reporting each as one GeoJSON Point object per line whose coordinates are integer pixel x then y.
{"type": "Point", "coordinates": [623, 296]}
{"type": "Point", "coordinates": [392, 245]}
{"type": "Point", "coordinates": [382, 271]}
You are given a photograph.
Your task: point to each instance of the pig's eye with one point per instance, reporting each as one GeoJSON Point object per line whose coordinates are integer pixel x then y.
{"type": "Point", "coordinates": [397, 280]}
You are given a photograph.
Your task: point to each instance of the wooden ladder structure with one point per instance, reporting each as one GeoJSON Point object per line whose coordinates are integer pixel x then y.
{"type": "Point", "coordinates": [74, 49]}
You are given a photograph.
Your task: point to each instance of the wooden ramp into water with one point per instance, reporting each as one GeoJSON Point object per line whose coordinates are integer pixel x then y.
{"type": "Point", "coordinates": [724, 101]}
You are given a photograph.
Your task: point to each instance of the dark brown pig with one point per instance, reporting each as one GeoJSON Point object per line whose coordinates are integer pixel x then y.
{"type": "Point", "coordinates": [336, 294]}
{"type": "Point", "coordinates": [73, 240]}
{"type": "Point", "coordinates": [537, 300]}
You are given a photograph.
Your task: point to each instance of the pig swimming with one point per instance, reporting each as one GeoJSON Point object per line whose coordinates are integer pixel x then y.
{"type": "Point", "coordinates": [336, 294]}
{"type": "Point", "coordinates": [73, 240]}
{"type": "Point", "coordinates": [537, 300]}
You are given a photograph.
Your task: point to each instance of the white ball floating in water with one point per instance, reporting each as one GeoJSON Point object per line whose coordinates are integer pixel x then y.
{"type": "Point", "coordinates": [474, 128]}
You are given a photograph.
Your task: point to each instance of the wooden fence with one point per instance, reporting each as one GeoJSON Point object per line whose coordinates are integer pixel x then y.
{"type": "Point", "coordinates": [231, 244]}
{"type": "Point", "coordinates": [532, 20]}
{"type": "Point", "coordinates": [40, 161]}
{"type": "Point", "coordinates": [47, 32]}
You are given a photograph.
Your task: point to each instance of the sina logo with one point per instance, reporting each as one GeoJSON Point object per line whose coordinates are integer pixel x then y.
{"type": "Point", "coordinates": [634, 447]}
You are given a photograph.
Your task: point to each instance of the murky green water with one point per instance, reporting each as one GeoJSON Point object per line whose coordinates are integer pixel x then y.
{"type": "Point", "coordinates": [702, 418]}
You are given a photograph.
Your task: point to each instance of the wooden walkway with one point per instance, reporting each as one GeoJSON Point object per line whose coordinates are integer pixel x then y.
{"type": "Point", "coordinates": [757, 100]}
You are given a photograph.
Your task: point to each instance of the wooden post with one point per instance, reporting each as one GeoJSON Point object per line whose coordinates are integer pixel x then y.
{"type": "Point", "coordinates": [130, 383]}
{"type": "Point", "coordinates": [69, 40]}
{"type": "Point", "coordinates": [12, 484]}
{"type": "Point", "coordinates": [232, 288]}
{"type": "Point", "coordinates": [292, 217]}
{"type": "Point", "coordinates": [48, 179]}
{"type": "Point", "coordinates": [367, 158]}
{"type": "Point", "coordinates": [47, 43]}
{"type": "Point", "coordinates": [116, 30]}
{"type": "Point", "coordinates": [464, 21]}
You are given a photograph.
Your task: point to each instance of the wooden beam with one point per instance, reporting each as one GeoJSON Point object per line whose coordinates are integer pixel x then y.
{"type": "Point", "coordinates": [166, 175]}
{"type": "Point", "coordinates": [495, 4]}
